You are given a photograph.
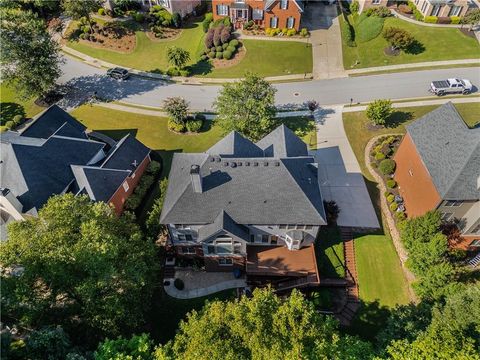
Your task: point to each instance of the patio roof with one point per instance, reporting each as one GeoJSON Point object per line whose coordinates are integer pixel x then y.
{"type": "Point", "coordinates": [279, 261]}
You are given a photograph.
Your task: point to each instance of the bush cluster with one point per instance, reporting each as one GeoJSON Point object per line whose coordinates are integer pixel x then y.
{"type": "Point", "coordinates": [387, 166]}
{"type": "Point", "coordinates": [148, 178]}
{"type": "Point", "coordinates": [348, 32]}
{"type": "Point", "coordinates": [218, 44]}
{"type": "Point", "coordinates": [381, 11]}
{"type": "Point", "coordinates": [207, 21]}
{"type": "Point", "coordinates": [158, 16]}
{"type": "Point", "coordinates": [431, 19]}
{"type": "Point", "coordinates": [304, 32]}
{"type": "Point", "coordinates": [455, 19]}
{"type": "Point", "coordinates": [101, 11]}
{"type": "Point", "coordinates": [390, 198]}
{"type": "Point", "coordinates": [391, 183]}
{"type": "Point", "coordinates": [354, 7]}
{"type": "Point", "coordinates": [173, 71]}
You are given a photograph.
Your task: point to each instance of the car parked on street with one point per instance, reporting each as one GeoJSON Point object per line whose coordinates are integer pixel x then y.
{"type": "Point", "coordinates": [118, 73]}
{"type": "Point", "coordinates": [450, 86]}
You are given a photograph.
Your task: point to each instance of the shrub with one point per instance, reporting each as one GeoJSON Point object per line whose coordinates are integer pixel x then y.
{"type": "Point", "coordinates": [354, 7]}
{"type": "Point", "coordinates": [398, 38]}
{"type": "Point", "coordinates": [291, 32]}
{"type": "Point", "coordinates": [379, 156]}
{"type": "Point", "coordinates": [390, 198]}
{"type": "Point", "coordinates": [9, 125]}
{"type": "Point", "coordinates": [233, 43]}
{"type": "Point", "coordinates": [379, 111]}
{"type": "Point", "coordinates": [217, 35]}
{"type": "Point", "coordinates": [304, 32]}
{"type": "Point", "coordinates": [173, 126]}
{"type": "Point", "coordinates": [139, 17]}
{"type": "Point", "coordinates": [455, 19]}
{"type": "Point", "coordinates": [82, 36]}
{"type": "Point", "coordinates": [178, 283]}
{"type": "Point", "coordinates": [348, 33]}
{"type": "Point", "coordinates": [284, 31]}
{"type": "Point", "coordinates": [406, 9]}
{"type": "Point", "coordinates": [373, 164]}
{"type": "Point", "coordinates": [369, 28]}
{"type": "Point", "coordinates": [133, 202]}
{"type": "Point", "coordinates": [444, 20]}
{"type": "Point", "coordinates": [418, 15]}
{"type": "Point", "coordinates": [381, 11]}
{"type": "Point", "coordinates": [224, 46]}
{"type": "Point", "coordinates": [393, 206]}
{"type": "Point", "coordinates": [209, 38]}
{"type": "Point", "coordinates": [176, 108]}
{"type": "Point", "coordinates": [206, 22]}
{"type": "Point", "coordinates": [249, 25]}
{"type": "Point", "coordinates": [218, 48]}
{"type": "Point", "coordinates": [101, 11]}
{"type": "Point", "coordinates": [400, 216]}
{"type": "Point", "coordinates": [17, 119]}
{"type": "Point", "coordinates": [391, 183]}
{"type": "Point", "coordinates": [219, 55]}
{"type": "Point", "coordinates": [194, 125]}
{"type": "Point", "coordinates": [227, 21]}
{"type": "Point", "coordinates": [211, 54]}
{"type": "Point", "coordinates": [173, 71]}
{"type": "Point", "coordinates": [200, 116]}
{"type": "Point", "coordinates": [390, 140]}
{"type": "Point", "coordinates": [225, 34]}
{"type": "Point", "coordinates": [386, 193]}
{"type": "Point", "coordinates": [153, 168]}
{"type": "Point", "coordinates": [203, 57]}
{"type": "Point", "coordinates": [184, 72]}
{"type": "Point", "coordinates": [231, 48]}
{"type": "Point", "coordinates": [431, 19]}
{"type": "Point", "coordinates": [227, 55]}
{"type": "Point", "coordinates": [387, 166]}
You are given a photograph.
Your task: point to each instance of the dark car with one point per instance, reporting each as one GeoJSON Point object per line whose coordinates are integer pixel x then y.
{"type": "Point", "coordinates": [118, 73]}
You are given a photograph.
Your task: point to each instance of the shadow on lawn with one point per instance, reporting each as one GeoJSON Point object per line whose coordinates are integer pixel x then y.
{"type": "Point", "coordinates": [398, 118]}
{"type": "Point", "coordinates": [327, 238]}
{"type": "Point", "coordinates": [371, 318]}
{"type": "Point", "coordinates": [9, 110]}
{"type": "Point", "coordinates": [415, 48]}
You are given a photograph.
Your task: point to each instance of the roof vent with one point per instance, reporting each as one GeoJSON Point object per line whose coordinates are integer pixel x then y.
{"type": "Point", "coordinates": [247, 163]}
{"type": "Point", "coordinates": [277, 163]}
{"type": "Point", "coordinates": [239, 163]}
{"type": "Point", "coordinates": [218, 159]}
{"type": "Point", "coordinates": [135, 163]}
{"type": "Point", "coordinates": [255, 163]}
{"type": "Point", "coordinates": [233, 164]}
{"type": "Point", "coordinates": [225, 163]}
{"type": "Point", "coordinates": [265, 163]}
{"type": "Point", "coordinates": [212, 159]}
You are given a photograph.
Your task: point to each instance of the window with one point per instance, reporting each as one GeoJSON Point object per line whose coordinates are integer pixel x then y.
{"type": "Point", "coordinates": [133, 175]}
{"type": "Point", "coordinates": [274, 240]}
{"type": "Point", "coordinates": [274, 22]}
{"type": "Point", "coordinates": [125, 186]}
{"type": "Point", "coordinates": [283, 226]}
{"type": "Point", "coordinates": [436, 10]}
{"type": "Point", "coordinates": [188, 250]}
{"type": "Point", "coordinates": [446, 216]}
{"type": "Point", "coordinates": [181, 237]}
{"type": "Point", "coordinates": [265, 239]}
{"type": "Point", "coordinates": [475, 243]}
{"type": "Point", "coordinates": [455, 11]}
{"type": "Point", "coordinates": [257, 14]}
{"type": "Point", "coordinates": [188, 237]}
{"type": "Point", "coordinates": [290, 22]}
{"type": "Point", "coordinates": [164, 3]}
{"type": "Point", "coordinates": [224, 247]}
{"type": "Point", "coordinates": [237, 247]}
{"type": "Point", "coordinates": [252, 238]}
{"type": "Point", "coordinates": [211, 249]}
{"type": "Point", "coordinates": [376, 2]}
{"type": "Point", "coordinates": [222, 10]}
{"type": "Point", "coordinates": [225, 261]}
{"type": "Point", "coordinates": [424, 6]}
{"type": "Point", "coordinates": [454, 203]}
{"type": "Point", "coordinates": [283, 4]}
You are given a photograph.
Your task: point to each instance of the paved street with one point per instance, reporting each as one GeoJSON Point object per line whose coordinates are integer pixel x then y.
{"type": "Point", "coordinates": [86, 79]}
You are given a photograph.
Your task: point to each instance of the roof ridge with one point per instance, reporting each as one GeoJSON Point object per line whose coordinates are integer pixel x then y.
{"type": "Point", "coordinates": [117, 145]}
{"type": "Point", "coordinates": [99, 168]}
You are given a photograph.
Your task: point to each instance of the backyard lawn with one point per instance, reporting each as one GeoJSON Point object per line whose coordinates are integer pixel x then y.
{"type": "Point", "coordinates": [266, 58]}
{"type": "Point", "coordinates": [11, 105]}
{"type": "Point", "coordinates": [329, 250]}
{"type": "Point", "coordinates": [435, 44]}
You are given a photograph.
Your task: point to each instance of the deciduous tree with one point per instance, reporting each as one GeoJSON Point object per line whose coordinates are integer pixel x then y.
{"type": "Point", "coordinates": [177, 56]}
{"type": "Point", "coordinates": [378, 111]}
{"type": "Point", "coordinates": [138, 347]}
{"type": "Point", "coordinates": [398, 38]}
{"type": "Point", "coordinates": [177, 109]}
{"type": "Point", "coordinates": [30, 57]}
{"type": "Point", "coordinates": [247, 106]}
{"type": "Point", "coordinates": [78, 9]}
{"type": "Point", "coordinates": [81, 266]}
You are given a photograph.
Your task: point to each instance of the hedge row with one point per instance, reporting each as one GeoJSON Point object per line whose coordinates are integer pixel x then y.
{"type": "Point", "coordinates": [148, 178]}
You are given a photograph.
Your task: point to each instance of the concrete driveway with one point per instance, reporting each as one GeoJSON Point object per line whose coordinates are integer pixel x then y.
{"type": "Point", "coordinates": [322, 22]}
{"type": "Point", "coordinates": [340, 176]}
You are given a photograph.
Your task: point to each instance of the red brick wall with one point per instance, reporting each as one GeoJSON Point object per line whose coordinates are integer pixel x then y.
{"type": "Point", "coordinates": [120, 196]}
{"type": "Point", "coordinates": [291, 11]}
{"type": "Point", "coordinates": [415, 184]}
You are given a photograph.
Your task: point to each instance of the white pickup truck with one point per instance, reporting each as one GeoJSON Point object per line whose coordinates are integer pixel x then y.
{"type": "Point", "coordinates": [448, 86]}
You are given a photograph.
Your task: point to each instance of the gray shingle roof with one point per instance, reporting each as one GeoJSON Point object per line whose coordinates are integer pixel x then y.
{"type": "Point", "coordinates": [223, 222]}
{"type": "Point", "coordinates": [128, 152]}
{"type": "Point", "coordinates": [235, 144]}
{"type": "Point", "coordinates": [282, 142]}
{"type": "Point", "coordinates": [450, 152]}
{"type": "Point", "coordinates": [270, 3]}
{"type": "Point", "coordinates": [253, 190]}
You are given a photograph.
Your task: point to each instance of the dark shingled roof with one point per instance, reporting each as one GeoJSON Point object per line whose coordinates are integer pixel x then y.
{"type": "Point", "coordinates": [126, 155]}
{"type": "Point", "coordinates": [236, 145]}
{"type": "Point", "coordinates": [223, 222]}
{"type": "Point", "coordinates": [270, 3]}
{"type": "Point", "coordinates": [51, 120]}
{"type": "Point", "coordinates": [253, 190]}
{"type": "Point", "coordinates": [450, 152]}
{"type": "Point", "coordinates": [282, 142]}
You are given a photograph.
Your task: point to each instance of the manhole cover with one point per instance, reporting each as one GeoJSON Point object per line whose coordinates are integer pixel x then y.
{"type": "Point", "coordinates": [296, 94]}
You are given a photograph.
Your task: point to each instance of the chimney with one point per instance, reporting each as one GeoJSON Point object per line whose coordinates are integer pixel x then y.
{"type": "Point", "coordinates": [196, 178]}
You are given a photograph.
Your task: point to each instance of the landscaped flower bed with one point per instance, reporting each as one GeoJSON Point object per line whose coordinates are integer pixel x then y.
{"type": "Point", "coordinates": [255, 30]}
{"type": "Point", "coordinates": [381, 160]}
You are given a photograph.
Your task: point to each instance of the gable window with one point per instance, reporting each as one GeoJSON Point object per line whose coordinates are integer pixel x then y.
{"type": "Point", "coordinates": [222, 10]}
{"type": "Point", "coordinates": [453, 203]}
{"type": "Point", "coordinates": [308, 227]}
{"type": "Point", "coordinates": [181, 237]}
{"type": "Point", "coordinates": [274, 240]}
{"type": "Point", "coordinates": [274, 22]}
{"type": "Point", "coordinates": [125, 186]}
{"type": "Point", "coordinates": [188, 237]}
{"type": "Point", "coordinates": [290, 22]}
{"type": "Point", "coordinates": [224, 247]}
{"type": "Point", "coordinates": [283, 4]}
{"type": "Point", "coordinates": [252, 238]}
{"type": "Point", "coordinates": [225, 261]}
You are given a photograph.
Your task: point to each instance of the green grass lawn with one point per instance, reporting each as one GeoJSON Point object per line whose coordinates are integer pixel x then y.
{"type": "Point", "coordinates": [11, 105]}
{"type": "Point", "coordinates": [266, 58]}
{"type": "Point", "coordinates": [358, 132]}
{"type": "Point", "coordinates": [435, 44]}
{"type": "Point", "coordinates": [330, 256]}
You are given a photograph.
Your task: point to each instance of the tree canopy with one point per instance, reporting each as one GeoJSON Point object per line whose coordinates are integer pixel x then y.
{"type": "Point", "coordinates": [378, 111]}
{"type": "Point", "coordinates": [30, 57]}
{"type": "Point", "coordinates": [81, 267]}
{"type": "Point", "coordinates": [262, 327]}
{"type": "Point", "coordinates": [78, 9]}
{"type": "Point", "coordinates": [177, 56]}
{"type": "Point", "coordinates": [247, 106]}
{"type": "Point", "coordinates": [138, 347]}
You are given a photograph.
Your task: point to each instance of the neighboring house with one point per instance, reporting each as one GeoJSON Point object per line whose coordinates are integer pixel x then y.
{"type": "Point", "coordinates": [267, 14]}
{"type": "Point", "coordinates": [439, 8]}
{"type": "Point", "coordinates": [55, 155]}
{"type": "Point", "coordinates": [255, 207]}
{"type": "Point", "coordinates": [182, 7]}
{"type": "Point", "coordinates": [438, 167]}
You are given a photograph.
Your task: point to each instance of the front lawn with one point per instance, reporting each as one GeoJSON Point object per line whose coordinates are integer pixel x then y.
{"type": "Point", "coordinates": [11, 105]}
{"type": "Point", "coordinates": [435, 44]}
{"type": "Point", "coordinates": [266, 58]}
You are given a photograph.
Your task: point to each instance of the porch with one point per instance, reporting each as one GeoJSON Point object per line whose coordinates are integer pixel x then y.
{"type": "Point", "coordinates": [239, 14]}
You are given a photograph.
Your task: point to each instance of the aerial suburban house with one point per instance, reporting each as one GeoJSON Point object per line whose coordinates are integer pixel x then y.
{"type": "Point", "coordinates": [439, 8]}
{"type": "Point", "coordinates": [54, 155]}
{"type": "Point", "coordinates": [267, 14]}
{"type": "Point", "coordinates": [438, 167]}
{"type": "Point", "coordinates": [254, 207]}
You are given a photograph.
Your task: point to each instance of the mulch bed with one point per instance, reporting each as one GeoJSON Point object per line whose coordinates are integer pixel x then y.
{"type": "Point", "coordinates": [466, 32]}
{"type": "Point", "coordinates": [391, 52]}
{"type": "Point", "coordinates": [222, 63]}
{"type": "Point", "coordinates": [168, 34]}
{"type": "Point", "coordinates": [126, 44]}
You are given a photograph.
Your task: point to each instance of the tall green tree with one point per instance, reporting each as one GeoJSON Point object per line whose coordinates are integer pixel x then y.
{"type": "Point", "coordinates": [262, 327]}
{"type": "Point", "coordinates": [247, 106]}
{"type": "Point", "coordinates": [177, 56]}
{"type": "Point", "coordinates": [30, 57]}
{"type": "Point", "coordinates": [472, 18]}
{"type": "Point", "coordinates": [378, 111]}
{"type": "Point", "coordinates": [82, 267]}
{"type": "Point", "coordinates": [138, 347]}
{"type": "Point", "coordinates": [78, 9]}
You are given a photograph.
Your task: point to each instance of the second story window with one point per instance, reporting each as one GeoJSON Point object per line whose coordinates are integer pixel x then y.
{"type": "Point", "coordinates": [283, 4]}
{"type": "Point", "coordinates": [222, 10]}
